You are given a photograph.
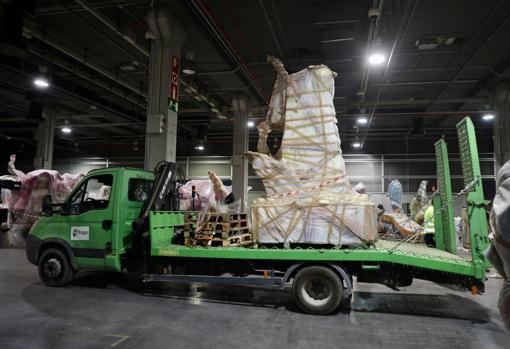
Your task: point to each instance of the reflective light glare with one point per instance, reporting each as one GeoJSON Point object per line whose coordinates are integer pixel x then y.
{"type": "Point", "coordinates": [488, 117]}
{"type": "Point", "coordinates": [40, 82]}
{"type": "Point", "coordinates": [251, 123]}
{"type": "Point", "coordinates": [376, 58]}
{"type": "Point", "coordinates": [356, 145]}
{"type": "Point", "coordinates": [199, 147]}
{"type": "Point", "coordinates": [188, 71]}
{"type": "Point", "coordinates": [362, 120]}
{"type": "Point", "coordinates": [66, 130]}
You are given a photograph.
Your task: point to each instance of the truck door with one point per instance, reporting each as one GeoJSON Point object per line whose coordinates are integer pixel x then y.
{"type": "Point", "coordinates": [89, 220]}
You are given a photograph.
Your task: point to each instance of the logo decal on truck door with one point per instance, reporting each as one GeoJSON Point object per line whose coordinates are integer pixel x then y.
{"type": "Point", "coordinates": [79, 233]}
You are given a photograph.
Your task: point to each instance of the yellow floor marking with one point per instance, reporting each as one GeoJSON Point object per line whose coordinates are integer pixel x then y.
{"type": "Point", "coordinates": [122, 339]}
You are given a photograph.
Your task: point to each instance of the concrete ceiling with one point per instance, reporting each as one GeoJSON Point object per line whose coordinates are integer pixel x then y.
{"type": "Point", "coordinates": [97, 58]}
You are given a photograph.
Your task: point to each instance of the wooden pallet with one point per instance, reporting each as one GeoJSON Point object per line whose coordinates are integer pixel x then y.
{"type": "Point", "coordinates": [221, 217]}
{"type": "Point", "coordinates": [230, 241]}
{"type": "Point", "coordinates": [227, 226]}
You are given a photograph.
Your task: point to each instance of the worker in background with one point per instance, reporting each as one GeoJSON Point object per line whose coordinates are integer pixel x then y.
{"type": "Point", "coordinates": [428, 226]}
{"type": "Point", "coordinates": [499, 251]}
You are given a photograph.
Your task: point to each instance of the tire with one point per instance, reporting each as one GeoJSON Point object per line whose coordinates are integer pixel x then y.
{"type": "Point", "coordinates": [317, 290]}
{"type": "Point", "coordinates": [54, 268]}
{"type": "Point", "coordinates": [504, 304]}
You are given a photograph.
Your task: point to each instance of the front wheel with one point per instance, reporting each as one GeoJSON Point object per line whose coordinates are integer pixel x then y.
{"type": "Point", "coordinates": [317, 290]}
{"type": "Point", "coordinates": [54, 268]}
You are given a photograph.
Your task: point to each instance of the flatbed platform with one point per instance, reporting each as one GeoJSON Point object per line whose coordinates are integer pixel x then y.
{"type": "Point", "coordinates": [409, 254]}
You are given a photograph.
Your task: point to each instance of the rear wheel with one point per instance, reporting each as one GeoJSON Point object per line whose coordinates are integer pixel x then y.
{"type": "Point", "coordinates": [317, 290]}
{"type": "Point", "coordinates": [54, 268]}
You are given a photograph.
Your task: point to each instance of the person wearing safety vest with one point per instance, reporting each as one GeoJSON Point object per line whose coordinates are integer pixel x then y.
{"type": "Point", "coordinates": [428, 225]}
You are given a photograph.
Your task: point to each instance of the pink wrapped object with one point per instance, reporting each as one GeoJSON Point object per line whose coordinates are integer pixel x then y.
{"type": "Point", "coordinates": [209, 192]}
{"type": "Point", "coordinates": [25, 205]}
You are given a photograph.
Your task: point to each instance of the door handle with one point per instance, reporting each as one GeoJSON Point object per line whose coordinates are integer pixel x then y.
{"type": "Point", "coordinates": [107, 224]}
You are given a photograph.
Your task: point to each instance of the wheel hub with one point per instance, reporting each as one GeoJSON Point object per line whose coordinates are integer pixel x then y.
{"type": "Point", "coordinates": [52, 268]}
{"type": "Point", "coordinates": [317, 289]}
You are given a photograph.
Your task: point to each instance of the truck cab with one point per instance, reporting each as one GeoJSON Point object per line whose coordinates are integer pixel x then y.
{"type": "Point", "coordinates": [91, 229]}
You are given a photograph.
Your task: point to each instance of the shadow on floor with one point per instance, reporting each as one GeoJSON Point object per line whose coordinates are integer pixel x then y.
{"type": "Point", "coordinates": [443, 306]}
{"type": "Point", "coordinates": [450, 306]}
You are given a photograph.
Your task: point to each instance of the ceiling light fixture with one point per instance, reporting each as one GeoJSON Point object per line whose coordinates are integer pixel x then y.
{"type": "Point", "coordinates": [488, 117]}
{"type": "Point", "coordinates": [66, 129]}
{"type": "Point", "coordinates": [250, 123]}
{"type": "Point", "coordinates": [376, 59]}
{"type": "Point", "coordinates": [356, 145]}
{"type": "Point", "coordinates": [188, 71]}
{"type": "Point", "coordinates": [199, 147]}
{"type": "Point", "coordinates": [362, 120]}
{"type": "Point", "coordinates": [41, 82]}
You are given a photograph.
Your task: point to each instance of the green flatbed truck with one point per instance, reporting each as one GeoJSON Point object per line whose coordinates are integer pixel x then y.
{"type": "Point", "coordinates": [113, 221]}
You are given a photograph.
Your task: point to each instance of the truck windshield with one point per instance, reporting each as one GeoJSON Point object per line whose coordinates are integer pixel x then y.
{"type": "Point", "coordinates": [139, 189]}
{"type": "Point", "coordinates": [94, 194]}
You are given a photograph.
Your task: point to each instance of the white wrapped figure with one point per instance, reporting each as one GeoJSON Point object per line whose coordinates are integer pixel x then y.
{"type": "Point", "coordinates": [310, 200]}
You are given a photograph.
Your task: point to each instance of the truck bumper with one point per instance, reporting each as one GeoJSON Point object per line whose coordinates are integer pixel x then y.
{"type": "Point", "coordinates": [32, 248]}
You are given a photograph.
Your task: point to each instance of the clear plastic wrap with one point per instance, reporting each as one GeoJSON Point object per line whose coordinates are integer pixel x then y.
{"type": "Point", "coordinates": [210, 195]}
{"type": "Point", "coordinates": [310, 199]}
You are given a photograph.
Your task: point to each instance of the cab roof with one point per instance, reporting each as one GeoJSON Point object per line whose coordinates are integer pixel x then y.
{"type": "Point", "coordinates": [118, 169]}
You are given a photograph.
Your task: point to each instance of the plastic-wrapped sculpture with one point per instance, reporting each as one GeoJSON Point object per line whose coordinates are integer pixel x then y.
{"type": "Point", "coordinates": [419, 203]}
{"type": "Point", "coordinates": [210, 194]}
{"type": "Point", "coordinates": [25, 205]}
{"type": "Point", "coordinates": [309, 198]}
{"type": "Point", "coordinates": [395, 194]}
{"type": "Point", "coordinates": [402, 224]}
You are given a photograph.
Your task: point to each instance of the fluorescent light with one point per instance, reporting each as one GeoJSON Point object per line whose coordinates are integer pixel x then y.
{"type": "Point", "coordinates": [251, 123]}
{"type": "Point", "coordinates": [188, 71]}
{"type": "Point", "coordinates": [356, 145]}
{"type": "Point", "coordinates": [376, 58]}
{"type": "Point", "coordinates": [199, 147]}
{"type": "Point", "coordinates": [41, 82]}
{"type": "Point", "coordinates": [362, 120]}
{"type": "Point", "coordinates": [488, 117]}
{"type": "Point", "coordinates": [66, 130]}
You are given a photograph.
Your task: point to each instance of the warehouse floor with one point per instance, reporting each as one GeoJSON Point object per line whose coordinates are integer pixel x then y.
{"type": "Point", "coordinates": [101, 311]}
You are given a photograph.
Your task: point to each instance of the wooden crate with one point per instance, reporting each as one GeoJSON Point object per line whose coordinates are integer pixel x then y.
{"type": "Point", "coordinates": [230, 241]}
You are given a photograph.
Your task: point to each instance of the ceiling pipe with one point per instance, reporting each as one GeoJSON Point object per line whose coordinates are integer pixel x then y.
{"type": "Point", "coordinates": [459, 71]}
{"type": "Point", "coordinates": [101, 18]}
{"type": "Point", "coordinates": [434, 113]}
{"type": "Point", "coordinates": [47, 36]}
{"type": "Point", "coordinates": [84, 76]}
{"type": "Point", "coordinates": [99, 30]}
{"type": "Point", "coordinates": [112, 124]}
{"type": "Point", "coordinates": [411, 83]}
{"type": "Point", "coordinates": [215, 31]}
{"type": "Point", "coordinates": [58, 10]}
{"type": "Point", "coordinates": [374, 15]}
{"type": "Point", "coordinates": [410, 102]}
{"type": "Point", "coordinates": [271, 29]}
{"type": "Point", "coordinates": [65, 93]}
{"type": "Point", "coordinates": [402, 30]}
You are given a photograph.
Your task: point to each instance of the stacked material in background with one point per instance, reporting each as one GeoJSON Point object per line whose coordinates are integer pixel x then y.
{"type": "Point", "coordinates": [309, 199]}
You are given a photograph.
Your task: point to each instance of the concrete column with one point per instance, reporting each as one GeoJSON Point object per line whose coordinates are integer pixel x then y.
{"type": "Point", "coordinates": [501, 105]}
{"type": "Point", "coordinates": [240, 146]}
{"type": "Point", "coordinates": [167, 36]}
{"type": "Point", "coordinates": [44, 136]}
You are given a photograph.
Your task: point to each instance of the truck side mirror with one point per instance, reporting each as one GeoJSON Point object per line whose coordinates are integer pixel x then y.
{"type": "Point", "coordinates": [47, 208]}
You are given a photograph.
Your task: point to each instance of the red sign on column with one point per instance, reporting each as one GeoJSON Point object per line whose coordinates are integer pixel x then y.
{"type": "Point", "coordinates": [174, 85]}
